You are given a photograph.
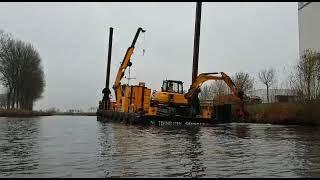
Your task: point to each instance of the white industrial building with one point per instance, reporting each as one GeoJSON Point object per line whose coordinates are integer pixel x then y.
{"type": "Point", "coordinates": [309, 25]}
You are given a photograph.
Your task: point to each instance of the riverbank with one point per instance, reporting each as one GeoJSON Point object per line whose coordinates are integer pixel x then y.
{"type": "Point", "coordinates": [271, 113]}
{"type": "Point", "coordinates": [75, 114]}
{"type": "Point", "coordinates": [285, 113]}
{"type": "Point", "coordinates": [24, 113]}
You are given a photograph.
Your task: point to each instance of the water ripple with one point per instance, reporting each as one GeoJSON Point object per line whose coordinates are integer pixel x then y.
{"type": "Point", "coordinates": [74, 146]}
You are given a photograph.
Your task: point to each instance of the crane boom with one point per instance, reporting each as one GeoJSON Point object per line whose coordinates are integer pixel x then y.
{"type": "Point", "coordinates": [124, 64]}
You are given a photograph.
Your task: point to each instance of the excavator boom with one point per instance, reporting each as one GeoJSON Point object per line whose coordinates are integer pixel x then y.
{"type": "Point", "coordinates": [203, 77]}
{"type": "Point", "coordinates": [192, 94]}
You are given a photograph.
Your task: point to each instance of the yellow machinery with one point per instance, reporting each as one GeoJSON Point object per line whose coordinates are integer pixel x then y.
{"type": "Point", "coordinates": [136, 99]}
{"type": "Point", "coordinates": [171, 92]}
{"type": "Point", "coordinates": [130, 98]}
{"type": "Point", "coordinates": [172, 101]}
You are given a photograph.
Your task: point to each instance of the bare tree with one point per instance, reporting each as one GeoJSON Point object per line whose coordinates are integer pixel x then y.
{"type": "Point", "coordinates": [7, 64]}
{"type": "Point", "coordinates": [21, 72]}
{"type": "Point", "coordinates": [217, 87]}
{"type": "Point", "coordinates": [305, 78]}
{"type": "Point", "coordinates": [3, 101]}
{"type": "Point", "coordinates": [267, 77]}
{"type": "Point", "coordinates": [243, 81]}
{"type": "Point", "coordinates": [206, 93]}
{"type": "Point", "coordinates": [220, 88]}
{"type": "Point", "coordinates": [308, 74]}
{"type": "Point", "coordinates": [92, 109]}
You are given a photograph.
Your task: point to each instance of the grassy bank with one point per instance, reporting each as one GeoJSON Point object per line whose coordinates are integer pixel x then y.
{"type": "Point", "coordinates": [22, 113]}
{"type": "Point", "coordinates": [285, 113]}
{"type": "Point", "coordinates": [25, 113]}
{"type": "Point", "coordinates": [75, 114]}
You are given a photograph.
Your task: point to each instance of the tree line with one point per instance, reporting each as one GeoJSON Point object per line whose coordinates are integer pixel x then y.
{"type": "Point", "coordinates": [304, 80]}
{"type": "Point", "coordinates": [21, 72]}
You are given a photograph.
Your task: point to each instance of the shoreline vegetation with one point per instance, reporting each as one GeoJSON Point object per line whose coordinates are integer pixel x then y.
{"type": "Point", "coordinates": [289, 113]}
{"type": "Point", "coordinates": [26, 113]}
{"type": "Point", "coordinates": [21, 73]}
{"type": "Point", "coordinates": [75, 114]}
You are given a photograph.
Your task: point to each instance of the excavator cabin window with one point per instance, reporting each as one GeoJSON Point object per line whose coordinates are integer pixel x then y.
{"type": "Point", "coordinates": [172, 86]}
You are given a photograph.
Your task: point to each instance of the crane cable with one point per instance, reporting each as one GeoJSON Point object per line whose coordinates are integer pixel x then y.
{"type": "Point", "coordinates": [143, 44]}
{"type": "Point", "coordinates": [143, 52]}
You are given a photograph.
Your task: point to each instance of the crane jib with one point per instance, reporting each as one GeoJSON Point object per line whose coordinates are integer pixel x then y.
{"type": "Point", "coordinates": [124, 64]}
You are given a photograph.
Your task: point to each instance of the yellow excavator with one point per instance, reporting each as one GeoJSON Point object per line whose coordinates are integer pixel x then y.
{"type": "Point", "coordinates": [172, 101]}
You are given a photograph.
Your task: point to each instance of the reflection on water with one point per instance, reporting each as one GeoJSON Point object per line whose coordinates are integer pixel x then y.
{"type": "Point", "coordinates": [70, 146]}
{"type": "Point", "coordinates": [19, 145]}
{"type": "Point", "coordinates": [307, 149]}
{"type": "Point", "coordinates": [194, 154]}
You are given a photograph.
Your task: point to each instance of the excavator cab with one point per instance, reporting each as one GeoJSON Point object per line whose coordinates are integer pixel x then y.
{"type": "Point", "coordinates": [171, 94]}
{"type": "Point", "coordinates": [172, 86]}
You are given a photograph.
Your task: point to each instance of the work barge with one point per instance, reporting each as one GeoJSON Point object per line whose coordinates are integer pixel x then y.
{"type": "Point", "coordinates": [223, 116]}
{"type": "Point", "coordinates": [135, 104]}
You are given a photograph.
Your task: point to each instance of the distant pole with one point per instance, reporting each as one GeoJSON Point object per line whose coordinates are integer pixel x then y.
{"type": "Point", "coordinates": [109, 56]}
{"type": "Point", "coordinates": [106, 91]}
{"type": "Point", "coordinates": [196, 42]}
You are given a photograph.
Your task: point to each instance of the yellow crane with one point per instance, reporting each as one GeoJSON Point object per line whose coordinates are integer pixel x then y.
{"type": "Point", "coordinates": [130, 98]}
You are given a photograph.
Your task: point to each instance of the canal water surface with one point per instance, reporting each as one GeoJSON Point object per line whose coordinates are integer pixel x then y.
{"type": "Point", "coordinates": [80, 146]}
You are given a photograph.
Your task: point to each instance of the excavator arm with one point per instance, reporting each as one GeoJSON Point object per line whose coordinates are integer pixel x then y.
{"type": "Point", "coordinates": [119, 93]}
{"type": "Point", "coordinates": [192, 94]}
{"type": "Point", "coordinates": [232, 86]}
{"type": "Point", "coordinates": [203, 77]}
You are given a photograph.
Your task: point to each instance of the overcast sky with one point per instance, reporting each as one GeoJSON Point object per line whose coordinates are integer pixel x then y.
{"type": "Point", "coordinates": [72, 39]}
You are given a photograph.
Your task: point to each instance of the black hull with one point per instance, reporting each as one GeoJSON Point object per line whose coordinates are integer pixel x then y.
{"type": "Point", "coordinates": [135, 118]}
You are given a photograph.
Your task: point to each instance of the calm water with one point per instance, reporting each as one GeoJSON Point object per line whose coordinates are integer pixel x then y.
{"type": "Point", "coordinates": [71, 146]}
